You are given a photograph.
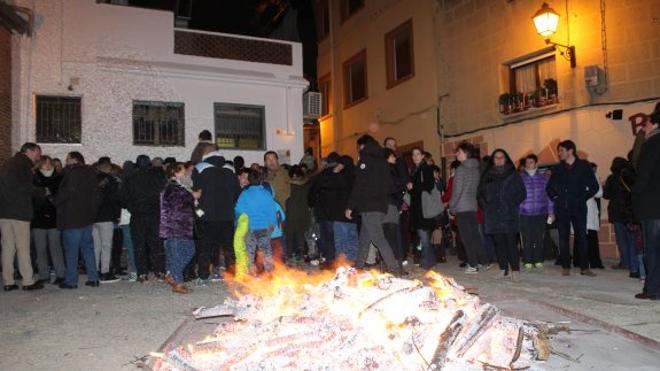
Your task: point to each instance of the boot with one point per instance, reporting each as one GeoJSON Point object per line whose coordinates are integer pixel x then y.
{"type": "Point", "coordinates": [180, 288]}
{"type": "Point", "coordinates": [566, 271]}
{"type": "Point", "coordinates": [587, 273]}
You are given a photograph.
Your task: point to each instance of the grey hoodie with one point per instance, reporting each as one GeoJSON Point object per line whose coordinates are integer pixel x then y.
{"type": "Point", "coordinates": [464, 191]}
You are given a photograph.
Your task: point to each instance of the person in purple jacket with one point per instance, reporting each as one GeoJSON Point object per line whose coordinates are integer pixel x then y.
{"type": "Point", "coordinates": [534, 212]}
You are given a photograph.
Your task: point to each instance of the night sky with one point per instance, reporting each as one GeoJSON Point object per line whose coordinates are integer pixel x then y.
{"type": "Point", "coordinates": [250, 17]}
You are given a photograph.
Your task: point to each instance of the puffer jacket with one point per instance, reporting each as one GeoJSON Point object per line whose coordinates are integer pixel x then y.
{"type": "Point", "coordinates": [500, 193]}
{"type": "Point", "coordinates": [464, 188]}
{"type": "Point", "coordinates": [537, 201]}
{"type": "Point", "coordinates": [176, 212]}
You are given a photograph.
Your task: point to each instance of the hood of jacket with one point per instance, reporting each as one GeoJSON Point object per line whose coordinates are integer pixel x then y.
{"type": "Point", "coordinates": [371, 149]}
{"type": "Point", "coordinates": [215, 160]}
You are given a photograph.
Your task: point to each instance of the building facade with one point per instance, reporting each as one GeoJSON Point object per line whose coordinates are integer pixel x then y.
{"type": "Point", "coordinates": [109, 80]}
{"type": "Point", "coordinates": [482, 74]}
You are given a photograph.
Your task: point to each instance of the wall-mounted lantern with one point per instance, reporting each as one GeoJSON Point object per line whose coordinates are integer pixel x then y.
{"type": "Point", "coordinates": [546, 21]}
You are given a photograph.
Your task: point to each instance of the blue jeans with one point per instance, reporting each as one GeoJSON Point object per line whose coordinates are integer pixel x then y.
{"type": "Point", "coordinates": [346, 239]}
{"type": "Point", "coordinates": [178, 254]}
{"type": "Point", "coordinates": [428, 254]}
{"type": "Point", "coordinates": [76, 240]}
{"type": "Point", "coordinates": [624, 242]}
{"type": "Point", "coordinates": [128, 243]}
{"type": "Point", "coordinates": [651, 232]}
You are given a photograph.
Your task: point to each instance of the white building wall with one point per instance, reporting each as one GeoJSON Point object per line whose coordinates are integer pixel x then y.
{"type": "Point", "coordinates": [120, 54]}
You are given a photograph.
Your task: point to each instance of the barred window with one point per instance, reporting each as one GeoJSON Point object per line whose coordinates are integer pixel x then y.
{"type": "Point", "coordinates": [239, 126]}
{"type": "Point", "coordinates": [58, 119]}
{"type": "Point", "coordinates": [158, 123]}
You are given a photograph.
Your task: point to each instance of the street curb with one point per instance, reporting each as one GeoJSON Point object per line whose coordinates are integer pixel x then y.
{"type": "Point", "coordinates": [641, 339]}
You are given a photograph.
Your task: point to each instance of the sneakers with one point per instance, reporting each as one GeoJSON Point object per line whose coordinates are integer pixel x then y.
{"type": "Point", "coordinates": [216, 276]}
{"type": "Point", "coordinates": [515, 276]}
{"type": "Point", "coordinates": [529, 267]}
{"type": "Point", "coordinates": [132, 277]}
{"type": "Point", "coordinates": [314, 262]}
{"type": "Point", "coordinates": [202, 282]}
{"type": "Point", "coordinates": [109, 278]}
{"type": "Point", "coordinates": [501, 274]}
{"type": "Point", "coordinates": [471, 270]}
{"type": "Point", "coordinates": [65, 285]}
{"type": "Point", "coordinates": [57, 281]}
{"type": "Point", "coordinates": [92, 283]}
{"type": "Point", "coordinates": [142, 278]}
{"type": "Point", "coordinates": [11, 287]}
{"type": "Point", "coordinates": [539, 265]}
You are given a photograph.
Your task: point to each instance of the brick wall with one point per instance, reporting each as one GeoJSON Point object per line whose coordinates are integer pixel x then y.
{"type": "Point", "coordinates": [5, 94]}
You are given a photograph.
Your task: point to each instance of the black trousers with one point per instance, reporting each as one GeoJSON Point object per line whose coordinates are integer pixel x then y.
{"type": "Point", "coordinates": [148, 247]}
{"type": "Point", "coordinates": [593, 249]}
{"type": "Point", "coordinates": [117, 246]}
{"type": "Point", "coordinates": [532, 230]}
{"type": "Point", "coordinates": [651, 230]}
{"type": "Point", "coordinates": [391, 231]}
{"type": "Point", "coordinates": [216, 238]}
{"type": "Point", "coordinates": [506, 248]}
{"type": "Point", "coordinates": [577, 217]}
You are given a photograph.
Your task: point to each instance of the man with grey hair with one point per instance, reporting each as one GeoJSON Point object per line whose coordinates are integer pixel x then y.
{"type": "Point", "coordinates": [16, 211]}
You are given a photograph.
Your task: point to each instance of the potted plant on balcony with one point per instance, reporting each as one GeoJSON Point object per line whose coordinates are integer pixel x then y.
{"type": "Point", "coordinates": [540, 97]}
{"type": "Point", "coordinates": [529, 100]}
{"type": "Point", "coordinates": [551, 86]}
{"type": "Point", "coordinates": [505, 103]}
{"type": "Point", "coordinates": [518, 102]}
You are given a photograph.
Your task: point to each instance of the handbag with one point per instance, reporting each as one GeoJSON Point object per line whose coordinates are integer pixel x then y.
{"type": "Point", "coordinates": [432, 205]}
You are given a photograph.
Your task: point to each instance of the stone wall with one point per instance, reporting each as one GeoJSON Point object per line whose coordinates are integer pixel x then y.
{"type": "Point", "coordinates": [5, 94]}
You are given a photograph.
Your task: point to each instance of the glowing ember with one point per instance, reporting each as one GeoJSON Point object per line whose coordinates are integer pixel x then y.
{"type": "Point", "coordinates": [352, 320]}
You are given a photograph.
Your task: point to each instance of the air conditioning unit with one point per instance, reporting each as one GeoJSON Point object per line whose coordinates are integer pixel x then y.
{"type": "Point", "coordinates": [312, 102]}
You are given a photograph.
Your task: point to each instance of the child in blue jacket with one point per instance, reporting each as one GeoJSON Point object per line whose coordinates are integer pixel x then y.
{"type": "Point", "coordinates": [262, 211]}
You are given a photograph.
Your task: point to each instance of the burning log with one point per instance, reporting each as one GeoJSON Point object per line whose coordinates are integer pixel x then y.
{"type": "Point", "coordinates": [356, 321]}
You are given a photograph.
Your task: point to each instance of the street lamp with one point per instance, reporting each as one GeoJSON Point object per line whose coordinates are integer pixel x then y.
{"type": "Point", "coordinates": [546, 21]}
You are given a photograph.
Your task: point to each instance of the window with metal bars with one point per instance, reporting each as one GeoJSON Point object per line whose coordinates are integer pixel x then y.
{"type": "Point", "coordinates": [158, 123]}
{"type": "Point", "coordinates": [239, 126]}
{"type": "Point", "coordinates": [58, 119]}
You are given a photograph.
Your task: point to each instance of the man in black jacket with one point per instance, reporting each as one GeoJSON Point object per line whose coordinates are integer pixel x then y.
{"type": "Point", "coordinates": [646, 204]}
{"type": "Point", "coordinates": [77, 204]}
{"type": "Point", "coordinates": [371, 191]}
{"type": "Point", "coordinates": [571, 184]}
{"type": "Point", "coordinates": [16, 211]}
{"type": "Point", "coordinates": [140, 194]}
{"type": "Point", "coordinates": [220, 190]}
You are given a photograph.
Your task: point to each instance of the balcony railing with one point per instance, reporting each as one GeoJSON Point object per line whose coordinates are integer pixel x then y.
{"type": "Point", "coordinates": [201, 44]}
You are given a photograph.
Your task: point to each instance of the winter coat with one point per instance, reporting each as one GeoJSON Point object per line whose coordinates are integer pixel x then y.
{"type": "Point", "coordinates": [423, 181]}
{"type": "Point", "coordinates": [259, 206]}
{"type": "Point", "coordinates": [646, 192]}
{"type": "Point", "coordinates": [109, 199]}
{"type": "Point", "coordinates": [501, 192]}
{"type": "Point", "coordinates": [593, 211]}
{"type": "Point", "coordinates": [17, 189]}
{"type": "Point", "coordinates": [220, 189]}
{"type": "Point", "coordinates": [329, 194]}
{"type": "Point", "coordinates": [177, 208]}
{"type": "Point", "coordinates": [279, 182]}
{"type": "Point", "coordinates": [45, 213]}
{"type": "Point", "coordinates": [78, 197]}
{"type": "Point", "coordinates": [618, 191]}
{"type": "Point", "coordinates": [298, 213]}
{"type": "Point", "coordinates": [537, 201]}
{"type": "Point", "coordinates": [570, 187]}
{"type": "Point", "coordinates": [373, 181]}
{"type": "Point", "coordinates": [140, 192]}
{"type": "Point", "coordinates": [400, 177]}
{"type": "Point", "coordinates": [464, 188]}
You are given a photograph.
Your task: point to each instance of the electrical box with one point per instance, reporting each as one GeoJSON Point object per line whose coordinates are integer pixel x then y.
{"type": "Point", "coordinates": [595, 79]}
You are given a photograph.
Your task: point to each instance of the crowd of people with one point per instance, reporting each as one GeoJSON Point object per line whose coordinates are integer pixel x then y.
{"type": "Point", "coordinates": [198, 220]}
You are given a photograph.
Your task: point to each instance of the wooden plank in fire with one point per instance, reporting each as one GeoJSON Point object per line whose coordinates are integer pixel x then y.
{"type": "Point", "coordinates": [447, 339]}
{"type": "Point", "coordinates": [483, 323]}
{"type": "Point", "coordinates": [217, 311]}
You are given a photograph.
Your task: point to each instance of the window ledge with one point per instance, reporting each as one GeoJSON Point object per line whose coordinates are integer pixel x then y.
{"type": "Point", "coordinates": [354, 103]}
{"type": "Point", "coordinates": [529, 113]}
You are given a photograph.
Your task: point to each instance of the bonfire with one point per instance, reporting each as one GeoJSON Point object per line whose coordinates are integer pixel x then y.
{"type": "Point", "coordinates": [355, 320]}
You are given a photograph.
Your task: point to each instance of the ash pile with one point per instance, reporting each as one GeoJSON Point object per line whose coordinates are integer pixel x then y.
{"type": "Point", "coordinates": [359, 320]}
